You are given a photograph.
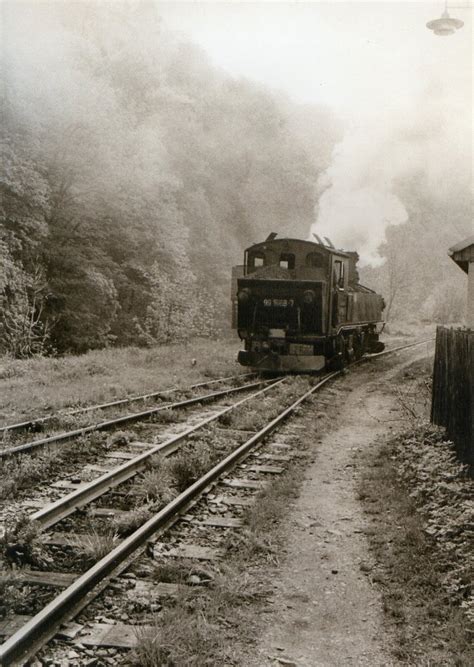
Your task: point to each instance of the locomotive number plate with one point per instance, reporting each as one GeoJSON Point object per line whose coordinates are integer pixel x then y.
{"type": "Point", "coordinates": [297, 348]}
{"type": "Point", "coordinates": [282, 303]}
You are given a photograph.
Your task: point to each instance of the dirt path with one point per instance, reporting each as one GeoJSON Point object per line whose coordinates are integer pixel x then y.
{"type": "Point", "coordinates": [326, 612]}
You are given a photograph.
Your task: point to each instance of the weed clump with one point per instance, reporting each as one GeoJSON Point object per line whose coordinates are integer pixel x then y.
{"type": "Point", "coordinates": [93, 546]}
{"type": "Point", "coordinates": [190, 464]}
{"type": "Point", "coordinates": [191, 631]}
{"type": "Point", "coordinates": [155, 486]}
{"type": "Point", "coordinates": [127, 522]}
{"type": "Point", "coordinates": [167, 416]}
{"type": "Point", "coordinates": [176, 636]}
{"type": "Point", "coordinates": [119, 438]}
{"type": "Point", "coordinates": [171, 572]}
{"type": "Point", "coordinates": [20, 543]}
{"type": "Point", "coordinates": [15, 595]}
{"type": "Point", "coordinates": [249, 545]}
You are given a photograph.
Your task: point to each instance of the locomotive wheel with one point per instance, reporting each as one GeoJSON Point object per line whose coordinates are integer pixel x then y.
{"type": "Point", "coordinates": [339, 360]}
{"type": "Point", "coordinates": [376, 347]}
{"type": "Point", "coordinates": [358, 345]}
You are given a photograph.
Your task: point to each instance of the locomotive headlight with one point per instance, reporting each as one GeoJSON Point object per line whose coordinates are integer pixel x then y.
{"type": "Point", "coordinates": [309, 296]}
{"type": "Point", "coordinates": [244, 295]}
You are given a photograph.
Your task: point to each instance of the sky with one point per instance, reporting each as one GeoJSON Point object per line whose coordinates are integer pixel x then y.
{"type": "Point", "coordinates": [342, 54]}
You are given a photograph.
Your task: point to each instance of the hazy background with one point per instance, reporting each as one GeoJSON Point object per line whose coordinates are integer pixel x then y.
{"type": "Point", "coordinates": [404, 95]}
{"type": "Point", "coordinates": [145, 145]}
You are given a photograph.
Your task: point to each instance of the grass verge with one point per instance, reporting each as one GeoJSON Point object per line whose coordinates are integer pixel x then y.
{"type": "Point", "coordinates": [42, 385]}
{"type": "Point", "coordinates": [417, 498]}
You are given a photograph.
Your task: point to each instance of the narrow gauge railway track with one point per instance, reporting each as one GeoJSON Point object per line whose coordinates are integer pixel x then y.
{"type": "Point", "coordinates": [86, 493]}
{"type": "Point", "coordinates": [36, 423]}
{"type": "Point", "coordinates": [28, 447]}
{"type": "Point", "coordinates": [111, 423]}
{"type": "Point", "coordinates": [26, 642]}
{"type": "Point", "coordinates": [86, 489]}
{"type": "Point", "coordinates": [397, 349]}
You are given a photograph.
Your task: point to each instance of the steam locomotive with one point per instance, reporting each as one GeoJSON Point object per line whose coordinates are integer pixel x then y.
{"type": "Point", "coordinates": [298, 306]}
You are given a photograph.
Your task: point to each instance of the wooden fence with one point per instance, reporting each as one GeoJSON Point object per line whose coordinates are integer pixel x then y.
{"type": "Point", "coordinates": [452, 403]}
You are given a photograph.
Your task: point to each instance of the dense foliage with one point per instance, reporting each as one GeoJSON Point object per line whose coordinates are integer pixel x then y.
{"type": "Point", "coordinates": [133, 175]}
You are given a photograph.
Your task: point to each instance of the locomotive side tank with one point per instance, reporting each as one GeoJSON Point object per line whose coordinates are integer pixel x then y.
{"type": "Point", "coordinates": [299, 306]}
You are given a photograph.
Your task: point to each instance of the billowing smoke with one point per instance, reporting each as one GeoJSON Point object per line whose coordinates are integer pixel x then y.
{"type": "Point", "coordinates": [384, 159]}
{"type": "Point", "coordinates": [358, 201]}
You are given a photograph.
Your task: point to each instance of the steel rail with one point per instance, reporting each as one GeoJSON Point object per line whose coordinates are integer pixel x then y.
{"type": "Point", "coordinates": [400, 347]}
{"type": "Point", "coordinates": [63, 507]}
{"type": "Point", "coordinates": [39, 629]}
{"type": "Point", "coordinates": [110, 423]}
{"type": "Point", "coordinates": [131, 399]}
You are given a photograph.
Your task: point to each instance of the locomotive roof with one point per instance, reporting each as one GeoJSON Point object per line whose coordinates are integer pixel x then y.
{"type": "Point", "coordinates": [297, 242]}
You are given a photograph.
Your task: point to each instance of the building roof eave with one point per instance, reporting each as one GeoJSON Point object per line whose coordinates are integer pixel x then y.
{"type": "Point", "coordinates": [462, 245]}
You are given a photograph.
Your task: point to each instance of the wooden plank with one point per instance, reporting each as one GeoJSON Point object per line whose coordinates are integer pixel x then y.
{"type": "Point", "coordinates": [62, 539]}
{"type": "Point", "coordinates": [243, 483]}
{"type": "Point", "coordinates": [69, 631]}
{"type": "Point", "coordinates": [221, 522]}
{"type": "Point", "coordinates": [276, 457]}
{"type": "Point", "coordinates": [120, 455]}
{"type": "Point", "coordinates": [94, 468]}
{"type": "Point", "coordinates": [118, 635]}
{"type": "Point", "coordinates": [280, 445]}
{"type": "Point", "coordinates": [238, 431]}
{"type": "Point", "coordinates": [216, 500]}
{"type": "Point", "coordinates": [56, 579]}
{"type": "Point", "coordinates": [271, 470]}
{"type": "Point", "coordinates": [11, 624]}
{"type": "Point", "coordinates": [147, 589]}
{"type": "Point", "coordinates": [238, 501]}
{"type": "Point", "coordinates": [193, 551]}
{"type": "Point", "coordinates": [141, 445]}
{"type": "Point", "coordinates": [67, 485]}
{"type": "Point", "coordinates": [108, 511]}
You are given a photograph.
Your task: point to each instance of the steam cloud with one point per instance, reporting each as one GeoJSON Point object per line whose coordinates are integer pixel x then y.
{"type": "Point", "coordinates": [362, 192]}
{"type": "Point", "coordinates": [358, 201]}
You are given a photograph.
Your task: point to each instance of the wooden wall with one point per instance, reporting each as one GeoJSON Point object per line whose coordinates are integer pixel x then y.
{"type": "Point", "coordinates": [453, 388]}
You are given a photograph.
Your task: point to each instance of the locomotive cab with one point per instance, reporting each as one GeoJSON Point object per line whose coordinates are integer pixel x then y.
{"type": "Point", "coordinates": [293, 303]}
